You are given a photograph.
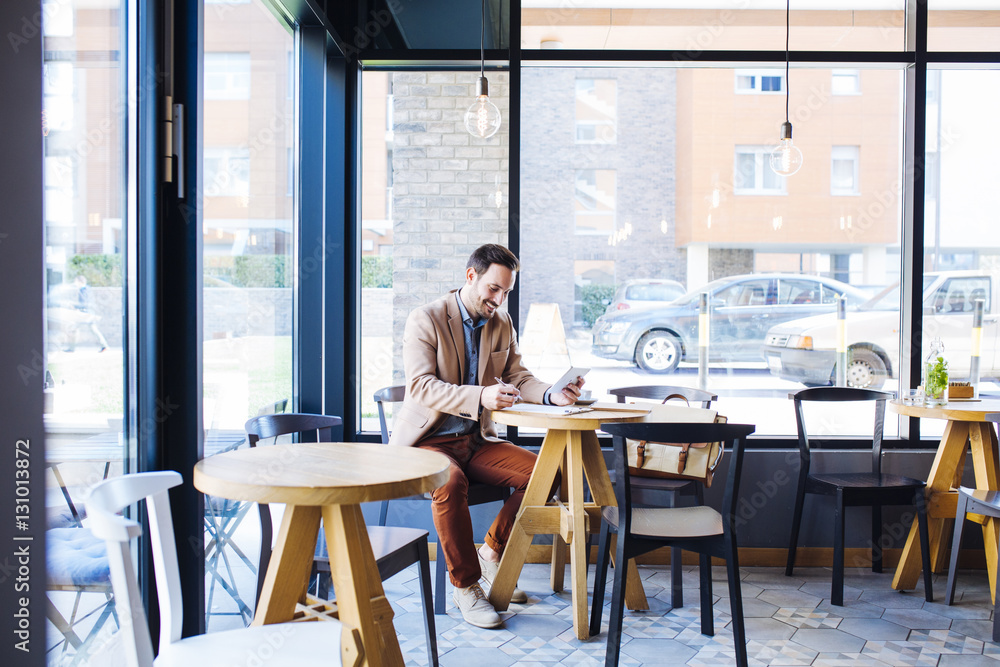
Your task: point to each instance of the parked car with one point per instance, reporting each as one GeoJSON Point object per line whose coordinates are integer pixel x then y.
{"type": "Point", "coordinates": [743, 309]}
{"type": "Point", "coordinates": [644, 293]}
{"type": "Point", "coordinates": [804, 350]}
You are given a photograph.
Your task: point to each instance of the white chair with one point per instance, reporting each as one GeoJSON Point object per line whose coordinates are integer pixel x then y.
{"type": "Point", "coordinates": [292, 644]}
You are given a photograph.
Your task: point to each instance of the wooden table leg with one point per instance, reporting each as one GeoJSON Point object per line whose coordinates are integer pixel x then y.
{"type": "Point", "coordinates": [983, 442]}
{"type": "Point", "coordinates": [950, 451]}
{"type": "Point", "coordinates": [288, 572]}
{"type": "Point", "coordinates": [361, 601]}
{"type": "Point", "coordinates": [604, 495]}
{"type": "Point", "coordinates": [515, 552]}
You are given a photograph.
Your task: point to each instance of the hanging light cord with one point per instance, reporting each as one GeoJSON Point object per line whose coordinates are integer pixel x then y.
{"type": "Point", "coordinates": [482, 43]}
{"type": "Point", "coordinates": [788, 6]}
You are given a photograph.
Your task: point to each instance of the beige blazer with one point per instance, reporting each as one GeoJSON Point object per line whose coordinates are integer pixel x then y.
{"type": "Point", "coordinates": [434, 363]}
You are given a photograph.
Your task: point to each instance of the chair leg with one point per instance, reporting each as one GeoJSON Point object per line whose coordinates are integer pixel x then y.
{"type": "Point", "coordinates": [383, 512]}
{"type": "Point", "coordinates": [424, 562]}
{"type": "Point", "coordinates": [837, 587]}
{"type": "Point", "coordinates": [925, 544]}
{"type": "Point", "coordinates": [956, 543]}
{"type": "Point", "coordinates": [617, 605]}
{"type": "Point", "coordinates": [266, 531]}
{"type": "Point", "coordinates": [440, 570]}
{"type": "Point", "coordinates": [736, 601]}
{"type": "Point", "coordinates": [600, 579]}
{"type": "Point", "coordinates": [793, 539]}
{"type": "Point", "coordinates": [996, 616]}
{"type": "Point", "coordinates": [705, 574]}
{"type": "Point", "coordinates": [676, 572]}
{"type": "Point", "coordinates": [876, 538]}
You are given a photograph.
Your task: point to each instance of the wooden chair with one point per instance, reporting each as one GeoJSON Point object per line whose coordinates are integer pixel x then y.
{"type": "Point", "coordinates": [395, 547]}
{"type": "Point", "coordinates": [854, 489]}
{"type": "Point", "coordinates": [673, 488]}
{"type": "Point", "coordinates": [700, 528]}
{"type": "Point", "coordinates": [298, 643]}
{"type": "Point", "coordinates": [972, 501]}
{"type": "Point", "coordinates": [478, 493]}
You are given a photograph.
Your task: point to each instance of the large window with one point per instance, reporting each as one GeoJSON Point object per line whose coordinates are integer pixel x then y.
{"type": "Point", "coordinates": [247, 199]}
{"type": "Point", "coordinates": [83, 356]}
{"type": "Point", "coordinates": [696, 202]}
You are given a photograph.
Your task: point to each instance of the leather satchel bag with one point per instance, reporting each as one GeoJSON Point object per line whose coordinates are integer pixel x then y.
{"type": "Point", "coordinates": [677, 460]}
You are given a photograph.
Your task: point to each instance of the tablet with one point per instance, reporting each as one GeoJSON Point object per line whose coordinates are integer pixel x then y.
{"type": "Point", "coordinates": [569, 376]}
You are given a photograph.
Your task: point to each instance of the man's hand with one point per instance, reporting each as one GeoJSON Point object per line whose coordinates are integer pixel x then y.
{"type": "Point", "coordinates": [496, 396]}
{"type": "Point", "coordinates": [569, 395]}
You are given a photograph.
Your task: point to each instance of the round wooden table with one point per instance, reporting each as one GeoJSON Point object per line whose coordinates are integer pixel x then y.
{"type": "Point", "coordinates": [570, 445]}
{"type": "Point", "coordinates": [328, 480]}
{"type": "Point", "coordinates": [966, 424]}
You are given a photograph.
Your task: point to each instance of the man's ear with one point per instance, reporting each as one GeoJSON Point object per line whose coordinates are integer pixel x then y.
{"type": "Point", "coordinates": [470, 275]}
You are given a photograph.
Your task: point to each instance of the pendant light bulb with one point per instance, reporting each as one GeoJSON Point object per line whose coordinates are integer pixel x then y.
{"type": "Point", "coordinates": [482, 118]}
{"type": "Point", "coordinates": [786, 158]}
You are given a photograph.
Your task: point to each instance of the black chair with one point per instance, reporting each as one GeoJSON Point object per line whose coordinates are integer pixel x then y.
{"type": "Point", "coordinates": [395, 547]}
{"type": "Point", "coordinates": [855, 489]}
{"type": "Point", "coordinates": [701, 529]}
{"type": "Point", "coordinates": [672, 487]}
{"type": "Point", "coordinates": [975, 501]}
{"type": "Point", "coordinates": [478, 493]}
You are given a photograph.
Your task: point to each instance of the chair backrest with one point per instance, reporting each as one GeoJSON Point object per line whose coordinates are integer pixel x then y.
{"type": "Point", "coordinates": [271, 426]}
{"type": "Point", "coordinates": [393, 394]}
{"type": "Point", "coordinates": [732, 437]}
{"type": "Point", "coordinates": [275, 408]}
{"type": "Point", "coordinates": [664, 392]}
{"type": "Point", "coordinates": [105, 501]}
{"type": "Point", "coordinates": [840, 395]}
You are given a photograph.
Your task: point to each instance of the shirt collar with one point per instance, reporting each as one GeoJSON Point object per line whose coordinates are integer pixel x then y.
{"type": "Point", "coordinates": [466, 318]}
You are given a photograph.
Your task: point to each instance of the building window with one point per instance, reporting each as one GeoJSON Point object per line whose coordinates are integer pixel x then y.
{"type": "Point", "coordinates": [845, 82]}
{"type": "Point", "coordinates": [594, 201]}
{"type": "Point", "coordinates": [753, 173]}
{"type": "Point", "coordinates": [227, 172]}
{"type": "Point", "coordinates": [844, 170]}
{"type": "Point", "coordinates": [596, 111]}
{"type": "Point", "coordinates": [227, 76]}
{"type": "Point", "coordinates": [760, 81]}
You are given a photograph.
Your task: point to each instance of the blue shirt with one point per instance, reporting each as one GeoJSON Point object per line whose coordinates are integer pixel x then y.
{"type": "Point", "coordinates": [455, 425]}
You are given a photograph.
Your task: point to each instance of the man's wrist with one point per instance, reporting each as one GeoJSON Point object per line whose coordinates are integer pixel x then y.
{"type": "Point", "coordinates": [547, 398]}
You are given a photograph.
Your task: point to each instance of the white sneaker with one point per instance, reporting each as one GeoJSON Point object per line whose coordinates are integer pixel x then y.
{"type": "Point", "coordinates": [475, 608]}
{"type": "Point", "coordinates": [489, 570]}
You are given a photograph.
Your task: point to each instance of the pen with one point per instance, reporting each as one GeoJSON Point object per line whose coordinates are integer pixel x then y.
{"type": "Point", "coordinates": [501, 382]}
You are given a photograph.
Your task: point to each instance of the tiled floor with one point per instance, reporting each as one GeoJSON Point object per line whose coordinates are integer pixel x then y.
{"type": "Point", "coordinates": [789, 621]}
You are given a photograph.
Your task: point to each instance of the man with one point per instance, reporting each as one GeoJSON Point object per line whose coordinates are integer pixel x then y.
{"type": "Point", "coordinates": [453, 350]}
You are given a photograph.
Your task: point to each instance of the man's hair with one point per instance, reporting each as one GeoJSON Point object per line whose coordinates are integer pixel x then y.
{"type": "Point", "coordinates": [491, 253]}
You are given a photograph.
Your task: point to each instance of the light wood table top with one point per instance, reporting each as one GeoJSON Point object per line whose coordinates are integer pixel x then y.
{"type": "Point", "coordinates": [956, 410]}
{"type": "Point", "coordinates": [321, 473]}
{"type": "Point", "coordinates": [570, 447]}
{"type": "Point", "coordinates": [599, 413]}
{"type": "Point", "coordinates": [326, 481]}
{"type": "Point", "coordinates": [967, 429]}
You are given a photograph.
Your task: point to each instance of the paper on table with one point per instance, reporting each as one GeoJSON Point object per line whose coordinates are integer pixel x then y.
{"type": "Point", "coordinates": [548, 409]}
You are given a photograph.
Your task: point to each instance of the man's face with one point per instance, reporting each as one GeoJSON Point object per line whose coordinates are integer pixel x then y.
{"type": "Point", "coordinates": [489, 290]}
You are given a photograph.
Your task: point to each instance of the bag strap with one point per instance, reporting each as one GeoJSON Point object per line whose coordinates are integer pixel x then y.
{"type": "Point", "coordinates": [683, 398]}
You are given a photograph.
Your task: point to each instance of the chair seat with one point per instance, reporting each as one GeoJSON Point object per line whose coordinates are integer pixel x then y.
{"type": "Point", "coordinates": [74, 557]}
{"type": "Point", "coordinates": [865, 480]}
{"type": "Point", "coordinates": [983, 496]}
{"type": "Point", "coordinates": [299, 644]}
{"type": "Point", "coordinates": [679, 522]}
{"type": "Point", "coordinates": [655, 483]}
{"type": "Point", "coordinates": [385, 540]}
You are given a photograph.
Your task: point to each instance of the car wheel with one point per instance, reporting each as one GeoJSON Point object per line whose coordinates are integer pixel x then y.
{"type": "Point", "coordinates": [866, 370]}
{"type": "Point", "coordinates": [658, 352]}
